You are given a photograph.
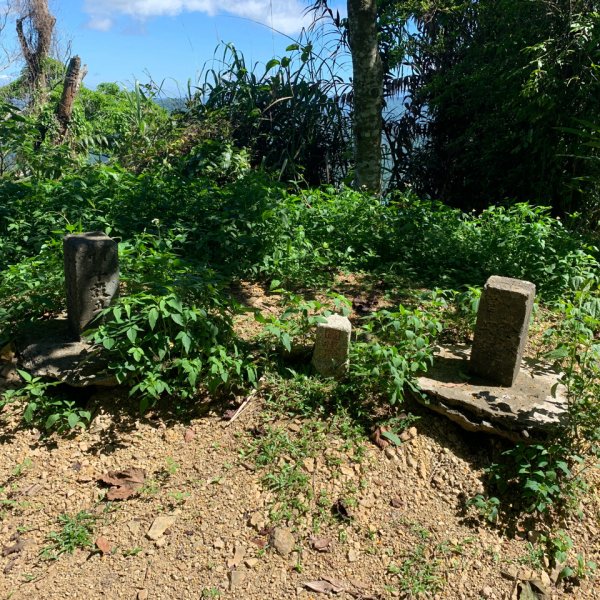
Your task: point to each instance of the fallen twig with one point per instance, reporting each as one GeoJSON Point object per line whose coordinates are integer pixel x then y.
{"type": "Point", "coordinates": [242, 407]}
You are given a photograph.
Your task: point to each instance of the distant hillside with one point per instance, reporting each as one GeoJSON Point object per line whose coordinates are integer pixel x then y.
{"type": "Point", "coordinates": [172, 104]}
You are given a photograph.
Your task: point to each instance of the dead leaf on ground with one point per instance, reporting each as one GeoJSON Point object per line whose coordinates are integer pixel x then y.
{"type": "Point", "coordinates": [16, 547]}
{"type": "Point", "coordinates": [378, 439]}
{"type": "Point", "coordinates": [103, 545]}
{"type": "Point", "coordinates": [32, 490]}
{"type": "Point", "coordinates": [327, 585]}
{"type": "Point", "coordinates": [228, 414]}
{"type": "Point", "coordinates": [10, 565]}
{"type": "Point", "coordinates": [124, 484]}
{"type": "Point", "coordinates": [189, 435]}
{"type": "Point", "coordinates": [321, 544]}
{"type": "Point", "coordinates": [260, 542]}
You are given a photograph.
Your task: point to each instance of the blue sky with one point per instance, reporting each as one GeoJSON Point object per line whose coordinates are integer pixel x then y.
{"type": "Point", "coordinates": [171, 40]}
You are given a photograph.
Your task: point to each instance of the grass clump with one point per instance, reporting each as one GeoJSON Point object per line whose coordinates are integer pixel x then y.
{"type": "Point", "coordinates": [76, 532]}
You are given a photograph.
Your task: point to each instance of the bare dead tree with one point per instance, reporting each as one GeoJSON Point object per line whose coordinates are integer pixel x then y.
{"type": "Point", "coordinates": [35, 28]}
{"type": "Point", "coordinates": [73, 77]}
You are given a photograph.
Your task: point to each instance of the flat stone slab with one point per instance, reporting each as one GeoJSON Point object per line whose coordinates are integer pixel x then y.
{"type": "Point", "coordinates": [526, 411]}
{"type": "Point", "coordinates": [47, 349]}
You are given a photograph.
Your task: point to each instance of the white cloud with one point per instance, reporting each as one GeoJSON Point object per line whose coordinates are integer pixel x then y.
{"type": "Point", "coordinates": [286, 16]}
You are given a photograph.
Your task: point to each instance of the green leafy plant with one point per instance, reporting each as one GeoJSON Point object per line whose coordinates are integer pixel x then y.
{"type": "Point", "coordinates": [391, 349]}
{"type": "Point", "coordinates": [418, 573]}
{"type": "Point", "coordinates": [175, 334]}
{"type": "Point", "coordinates": [295, 326]}
{"type": "Point", "coordinates": [76, 532]}
{"type": "Point", "coordinates": [48, 410]}
{"type": "Point", "coordinates": [537, 476]}
{"type": "Point", "coordinates": [559, 547]}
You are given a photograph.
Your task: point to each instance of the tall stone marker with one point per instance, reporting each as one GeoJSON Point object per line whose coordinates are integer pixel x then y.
{"type": "Point", "coordinates": [332, 346]}
{"type": "Point", "coordinates": [501, 329]}
{"type": "Point", "coordinates": [91, 275]}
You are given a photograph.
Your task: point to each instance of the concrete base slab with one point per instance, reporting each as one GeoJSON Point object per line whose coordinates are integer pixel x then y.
{"type": "Point", "coordinates": [533, 408]}
{"type": "Point", "coordinates": [47, 349]}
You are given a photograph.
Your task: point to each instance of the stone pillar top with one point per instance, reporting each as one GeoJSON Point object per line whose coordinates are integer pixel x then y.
{"type": "Point", "coordinates": [509, 284]}
{"type": "Point", "coordinates": [91, 276]}
{"type": "Point", "coordinates": [330, 357]}
{"type": "Point", "coordinates": [501, 329]}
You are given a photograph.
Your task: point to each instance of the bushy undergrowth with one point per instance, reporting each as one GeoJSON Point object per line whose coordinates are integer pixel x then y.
{"type": "Point", "coordinates": [252, 226]}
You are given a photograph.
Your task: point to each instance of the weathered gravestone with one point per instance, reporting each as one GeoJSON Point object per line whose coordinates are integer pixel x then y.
{"type": "Point", "coordinates": [489, 387]}
{"type": "Point", "coordinates": [332, 346]}
{"type": "Point", "coordinates": [54, 348]}
{"type": "Point", "coordinates": [501, 329]}
{"type": "Point", "coordinates": [91, 276]}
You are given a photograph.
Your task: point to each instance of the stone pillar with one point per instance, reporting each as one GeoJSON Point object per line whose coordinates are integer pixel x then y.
{"type": "Point", "coordinates": [330, 357]}
{"type": "Point", "coordinates": [91, 276]}
{"type": "Point", "coordinates": [501, 329]}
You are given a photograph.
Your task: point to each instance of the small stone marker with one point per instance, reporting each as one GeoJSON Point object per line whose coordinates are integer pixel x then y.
{"type": "Point", "coordinates": [330, 357]}
{"type": "Point", "coordinates": [91, 275]}
{"type": "Point", "coordinates": [501, 329]}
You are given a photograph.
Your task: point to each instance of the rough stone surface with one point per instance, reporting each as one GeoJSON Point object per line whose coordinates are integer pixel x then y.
{"type": "Point", "coordinates": [91, 276]}
{"type": "Point", "coordinates": [283, 541]}
{"type": "Point", "coordinates": [330, 357]}
{"type": "Point", "coordinates": [160, 525]}
{"type": "Point", "coordinates": [47, 349]}
{"type": "Point", "coordinates": [501, 329]}
{"type": "Point", "coordinates": [534, 407]}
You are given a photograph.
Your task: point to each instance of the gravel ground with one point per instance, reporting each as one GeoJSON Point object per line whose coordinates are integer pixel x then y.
{"type": "Point", "coordinates": [199, 524]}
{"type": "Point", "coordinates": [408, 508]}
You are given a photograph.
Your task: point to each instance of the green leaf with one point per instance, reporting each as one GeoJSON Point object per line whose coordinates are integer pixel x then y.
{"type": "Point", "coordinates": [73, 419]}
{"type": "Point", "coordinates": [286, 341]}
{"type": "Point", "coordinates": [108, 343]}
{"type": "Point", "coordinates": [153, 317]}
{"type": "Point", "coordinates": [25, 375]}
{"type": "Point", "coordinates": [132, 334]}
{"type": "Point", "coordinates": [51, 420]}
{"type": "Point", "coordinates": [177, 319]}
{"type": "Point", "coordinates": [175, 303]}
{"type": "Point", "coordinates": [392, 437]}
{"type": "Point", "coordinates": [185, 339]}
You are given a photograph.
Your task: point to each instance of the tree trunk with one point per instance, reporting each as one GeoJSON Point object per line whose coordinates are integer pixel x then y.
{"type": "Point", "coordinates": [367, 72]}
{"type": "Point", "coordinates": [35, 42]}
{"type": "Point", "coordinates": [64, 111]}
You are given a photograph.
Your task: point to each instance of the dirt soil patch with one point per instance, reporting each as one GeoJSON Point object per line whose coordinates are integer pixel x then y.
{"type": "Point", "coordinates": [385, 523]}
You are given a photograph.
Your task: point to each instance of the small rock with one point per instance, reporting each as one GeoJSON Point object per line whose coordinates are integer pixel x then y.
{"type": "Point", "coordinates": [160, 542]}
{"type": "Point", "coordinates": [309, 464]}
{"type": "Point", "coordinates": [142, 595]}
{"type": "Point", "coordinates": [257, 521]}
{"type": "Point", "coordinates": [347, 471]}
{"type": "Point", "coordinates": [236, 578]}
{"type": "Point", "coordinates": [160, 525]}
{"type": "Point", "coordinates": [219, 544]}
{"type": "Point", "coordinates": [283, 541]}
{"type": "Point", "coordinates": [487, 592]}
{"type": "Point", "coordinates": [411, 461]}
{"type": "Point", "coordinates": [251, 562]}
{"type": "Point", "coordinates": [390, 452]}
{"type": "Point", "coordinates": [352, 555]}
